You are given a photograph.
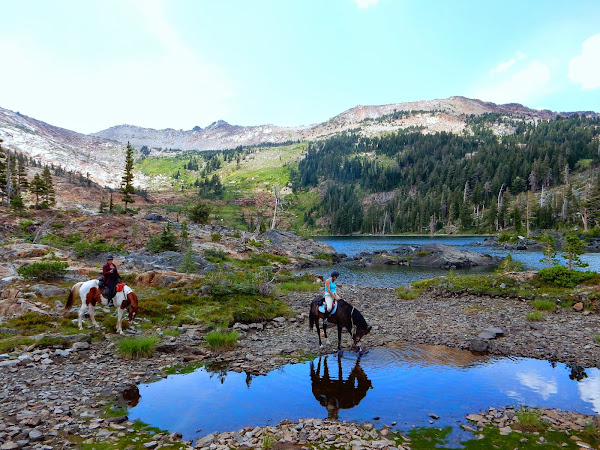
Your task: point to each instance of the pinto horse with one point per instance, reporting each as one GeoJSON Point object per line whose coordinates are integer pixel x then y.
{"type": "Point", "coordinates": [345, 316]}
{"type": "Point", "coordinates": [90, 293]}
{"type": "Point", "coordinates": [125, 298]}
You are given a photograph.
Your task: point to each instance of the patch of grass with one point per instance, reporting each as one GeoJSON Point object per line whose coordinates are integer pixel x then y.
{"type": "Point", "coordinates": [422, 253]}
{"type": "Point", "coordinates": [215, 237]}
{"type": "Point", "coordinates": [543, 305]}
{"type": "Point", "coordinates": [31, 321]}
{"type": "Point", "coordinates": [221, 339]}
{"type": "Point", "coordinates": [268, 441]}
{"type": "Point", "coordinates": [157, 309]}
{"type": "Point", "coordinates": [261, 260]}
{"type": "Point", "coordinates": [408, 292]}
{"type": "Point", "coordinates": [325, 256]}
{"type": "Point", "coordinates": [425, 283]}
{"type": "Point", "coordinates": [172, 332]}
{"type": "Point", "coordinates": [134, 347]}
{"type": "Point", "coordinates": [13, 343]}
{"type": "Point", "coordinates": [87, 249]}
{"type": "Point", "coordinates": [288, 287]}
{"type": "Point", "coordinates": [535, 316]}
{"type": "Point", "coordinates": [597, 338]}
{"type": "Point", "coordinates": [52, 341]}
{"type": "Point", "coordinates": [109, 323]}
{"type": "Point", "coordinates": [529, 420]}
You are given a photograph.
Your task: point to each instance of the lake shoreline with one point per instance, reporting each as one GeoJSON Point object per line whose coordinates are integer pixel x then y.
{"type": "Point", "coordinates": [44, 392]}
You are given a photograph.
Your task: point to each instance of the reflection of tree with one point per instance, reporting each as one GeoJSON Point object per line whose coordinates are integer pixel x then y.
{"type": "Point", "coordinates": [335, 394]}
{"type": "Point", "coordinates": [218, 369]}
{"type": "Point", "coordinates": [577, 372]}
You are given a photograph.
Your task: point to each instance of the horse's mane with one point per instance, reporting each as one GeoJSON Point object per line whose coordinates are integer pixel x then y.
{"type": "Point", "coordinates": [359, 320]}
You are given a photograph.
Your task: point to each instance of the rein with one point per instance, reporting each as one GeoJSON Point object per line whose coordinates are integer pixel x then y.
{"type": "Point", "coordinates": [351, 321]}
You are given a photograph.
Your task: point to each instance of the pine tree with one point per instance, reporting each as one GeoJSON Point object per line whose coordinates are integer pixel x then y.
{"type": "Point", "coordinates": [3, 178]}
{"type": "Point", "coordinates": [49, 192]}
{"type": "Point", "coordinates": [22, 183]}
{"type": "Point", "coordinates": [37, 188]}
{"type": "Point", "coordinates": [572, 250]}
{"type": "Point", "coordinates": [127, 179]}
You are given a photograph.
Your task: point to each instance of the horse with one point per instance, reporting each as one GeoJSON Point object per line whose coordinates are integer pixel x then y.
{"type": "Point", "coordinates": [335, 394]}
{"type": "Point", "coordinates": [90, 293]}
{"type": "Point", "coordinates": [125, 298]}
{"type": "Point", "coordinates": [345, 316]}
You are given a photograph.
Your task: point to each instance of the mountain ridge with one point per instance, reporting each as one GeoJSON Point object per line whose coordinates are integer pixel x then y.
{"type": "Point", "coordinates": [101, 154]}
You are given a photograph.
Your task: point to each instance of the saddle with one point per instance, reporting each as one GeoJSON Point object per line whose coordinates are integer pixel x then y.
{"type": "Point", "coordinates": [120, 287]}
{"type": "Point", "coordinates": [323, 307]}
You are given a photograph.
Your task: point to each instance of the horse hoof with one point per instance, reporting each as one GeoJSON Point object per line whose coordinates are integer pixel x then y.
{"type": "Point", "coordinates": [360, 353]}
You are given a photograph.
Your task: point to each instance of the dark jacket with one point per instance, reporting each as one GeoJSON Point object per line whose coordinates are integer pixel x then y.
{"type": "Point", "coordinates": [110, 278]}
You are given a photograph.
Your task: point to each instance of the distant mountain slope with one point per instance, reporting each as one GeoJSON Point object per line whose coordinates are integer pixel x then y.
{"type": "Point", "coordinates": [53, 145]}
{"type": "Point", "coordinates": [448, 115]}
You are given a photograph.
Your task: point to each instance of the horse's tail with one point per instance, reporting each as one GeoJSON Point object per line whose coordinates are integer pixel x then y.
{"type": "Point", "coordinates": [71, 298]}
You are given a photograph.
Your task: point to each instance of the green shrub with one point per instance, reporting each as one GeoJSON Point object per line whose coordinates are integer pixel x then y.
{"type": "Point", "coordinates": [214, 255]}
{"type": "Point", "coordinates": [422, 253]}
{"type": "Point", "coordinates": [508, 237]}
{"type": "Point", "coordinates": [535, 316]}
{"type": "Point", "coordinates": [166, 241]}
{"type": "Point", "coordinates": [199, 213]}
{"type": "Point", "coordinates": [543, 305]}
{"type": "Point", "coordinates": [221, 339]}
{"type": "Point", "coordinates": [508, 264]}
{"type": "Point", "coordinates": [134, 347]}
{"type": "Point", "coordinates": [560, 276]}
{"type": "Point", "coordinates": [215, 237]}
{"type": "Point", "coordinates": [86, 249]}
{"type": "Point", "coordinates": [220, 283]}
{"type": "Point", "coordinates": [597, 339]}
{"type": "Point", "coordinates": [188, 264]}
{"type": "Point", "coordinates": [25, 224]}
{"type": "Point", "coordinates": [42, 270]}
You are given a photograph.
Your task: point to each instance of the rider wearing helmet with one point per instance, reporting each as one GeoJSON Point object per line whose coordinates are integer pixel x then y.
{"type": "Point", "coordinates": [331, 295]}
{"type": "Point", "coordinates": [110, 277]}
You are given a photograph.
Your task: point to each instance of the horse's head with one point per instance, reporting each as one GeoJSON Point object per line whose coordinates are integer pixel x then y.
{"type": "Point", "coordinates": [133, 306]}
{"type": "Point", "coordinates": [360, 333]}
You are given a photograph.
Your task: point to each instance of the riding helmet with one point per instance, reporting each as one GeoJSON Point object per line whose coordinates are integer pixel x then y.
{"type": "Point", "coordinates": [335, 273]}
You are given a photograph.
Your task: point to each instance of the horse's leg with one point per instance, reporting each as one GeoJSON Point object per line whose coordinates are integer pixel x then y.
{"type": "Point", "coordinates": [340, 352]}
{"type": "Point", "coordinates": [80, 316]}
{"type": "Point", "coordinates": [319, 332]}
{"type": "Point", "coordinates": [119, 319]}
{"type": "Point", "coordinates": [92, 315]}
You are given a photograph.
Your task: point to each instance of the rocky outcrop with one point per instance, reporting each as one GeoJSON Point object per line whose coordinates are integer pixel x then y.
{"type": "Point", "coordinates": [428, 255]}
{"type": "Point", "coordinates": [300, 247]}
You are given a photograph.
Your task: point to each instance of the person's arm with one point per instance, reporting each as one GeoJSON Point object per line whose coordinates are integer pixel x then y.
{"type": "Point", "coordinates": [105, 269]}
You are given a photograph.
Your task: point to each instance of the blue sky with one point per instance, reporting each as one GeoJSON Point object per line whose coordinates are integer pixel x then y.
{"type": "Point", "coordinates": [88, 65]}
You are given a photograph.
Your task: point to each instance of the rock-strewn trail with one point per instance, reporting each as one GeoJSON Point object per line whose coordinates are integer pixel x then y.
{"type": "Point", "coordinates": [48, 395]}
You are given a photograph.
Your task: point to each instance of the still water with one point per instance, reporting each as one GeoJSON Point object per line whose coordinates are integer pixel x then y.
{"type": "Point", "coordinates": [400, 385]}
{"type": "Point", "coordinates": [394, 276]}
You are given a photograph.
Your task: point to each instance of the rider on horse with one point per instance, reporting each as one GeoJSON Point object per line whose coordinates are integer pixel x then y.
{"type": "Point", "coordinates": [110, 277]}
{"type": "Point", "coordinates": [330, 292]}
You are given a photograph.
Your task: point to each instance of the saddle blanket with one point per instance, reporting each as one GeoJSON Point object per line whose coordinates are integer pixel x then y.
{"type": "Point", "coordinates": [323, 306]}
{"type": "Point", "coordinates": [120, 287]}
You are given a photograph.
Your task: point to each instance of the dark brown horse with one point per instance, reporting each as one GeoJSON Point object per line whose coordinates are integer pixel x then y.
{"type": "Point", "coordinates": [335, 394]}
{"type": "Point", "coordinates": [345, 316]}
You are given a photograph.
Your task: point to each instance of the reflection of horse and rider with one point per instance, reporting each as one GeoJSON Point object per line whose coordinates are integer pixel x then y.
{"type": "Point", "coordinates": [335, 394]}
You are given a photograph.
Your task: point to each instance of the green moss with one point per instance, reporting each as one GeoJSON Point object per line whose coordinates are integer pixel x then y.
{"type": "Point", "coordinates": [529, 419]}
{"type": "Point", "coordinates": [10, 344]}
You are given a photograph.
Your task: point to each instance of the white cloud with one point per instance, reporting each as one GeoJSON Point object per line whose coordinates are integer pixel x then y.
{"type": "Point", "coordinates": [527, 85]}
{"type": "Point", "coordinates": [589, 390]}
{"type": "Point", "coordinates": [584, 69]}
{"type": "Point", "coordinates": [504, 66]}
{"type": "Point", "coordinates": [363, 4]}
{"type": "Point", "coordinates": [538, 383]}
{"type": "Point", "coordinates": [170, 87]}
